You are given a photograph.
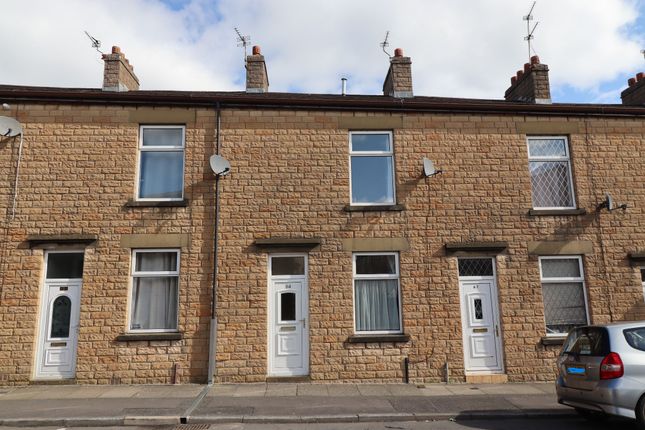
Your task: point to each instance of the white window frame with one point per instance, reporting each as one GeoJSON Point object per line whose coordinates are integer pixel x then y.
{"type": "Point", "coordinates": [356, 277]}
{"type": "Point", "coordinates": [63, 251]}
{"type": "Point", "coordinates": [566, 158]}
{"type": "Point", "coordinates": [141, 149]}
{"type": "Point", "coordinates": [564, 280]}
{"type": "Point", "coordinates": [165, 274]}
{"type": "Point", "coordinates": [389, 153]}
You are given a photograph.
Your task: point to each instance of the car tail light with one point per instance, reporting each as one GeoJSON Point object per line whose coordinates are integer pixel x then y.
{"type": "Point", "coordinates": [611, 367]}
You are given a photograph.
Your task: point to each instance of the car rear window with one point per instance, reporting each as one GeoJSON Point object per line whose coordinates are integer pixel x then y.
{"type": "Point", "coordinates": [635, 337]}
{"type": "Point", "coordinates": [591, 341]}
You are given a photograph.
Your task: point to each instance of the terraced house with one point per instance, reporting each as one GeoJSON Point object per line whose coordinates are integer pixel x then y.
{"type": "Point", "coordinates": [355, 238]}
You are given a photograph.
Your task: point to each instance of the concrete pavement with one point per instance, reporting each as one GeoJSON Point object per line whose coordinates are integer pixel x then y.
{"type": "Point", "coordinates": [114, 405]}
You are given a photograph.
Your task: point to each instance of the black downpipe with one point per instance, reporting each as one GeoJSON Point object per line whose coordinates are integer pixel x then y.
{"type": "Point", "coordinates": [406, 371]}
{"type": "Point", "coordinates": [212, 351]}
{"type": "Point", "coordinates": [215, 240]}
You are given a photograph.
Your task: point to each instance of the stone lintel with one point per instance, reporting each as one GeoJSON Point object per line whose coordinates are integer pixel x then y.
{"type": "Point", "coordinates": [560, 247]}
{"type": "Point", "coordinates": [48, 240]}
{"type": "Point", "coordinates": [376, 244]}
{"type": "Point", "coordinates": [155, 240]}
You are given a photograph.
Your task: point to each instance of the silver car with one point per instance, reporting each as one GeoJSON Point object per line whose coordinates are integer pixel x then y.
{"type": "Point", "coordinates": [601, 370]}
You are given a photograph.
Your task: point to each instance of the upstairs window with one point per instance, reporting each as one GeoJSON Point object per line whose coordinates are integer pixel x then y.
{"type": "Point", "coordinates": [550, 168]}
{"type": "Point", "coordinates": [161, 163]}
{"type": "Point", "coordinates": [371, 159]}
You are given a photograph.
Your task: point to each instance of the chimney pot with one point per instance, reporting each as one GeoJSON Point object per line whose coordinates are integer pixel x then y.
{"type": "Point", "coordinates": [513, 80]}
{"type": "Point", "coordinates": [535, 59]}
{"type": "Point", "coordinates": [639, 76]}
{"type": "Point", "coordinates": [631, 82]}
{"type": "Point", "coordinates": [398, 52]}
{"type": "Point", "coordinates": [256, 50]}
{"type": "Point", "coordinates": [527, 67]}
{"type": "Point", "coordinates": [116, 50]}
{"type": "Point", "coordinates": [519, 74]}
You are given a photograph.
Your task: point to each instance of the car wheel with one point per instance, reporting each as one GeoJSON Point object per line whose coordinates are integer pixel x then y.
{"type": "Point", "coordinates": [591, 415]}
{"type": "Point", "coordinates": [640, 413]}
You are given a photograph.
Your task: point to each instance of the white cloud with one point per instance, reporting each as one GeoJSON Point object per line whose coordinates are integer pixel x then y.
{"type": "Point", "coordinates": [460, 48]}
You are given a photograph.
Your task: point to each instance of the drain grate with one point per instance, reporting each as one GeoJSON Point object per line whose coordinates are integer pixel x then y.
{"type": "Point", "coordinates": [192, 427]}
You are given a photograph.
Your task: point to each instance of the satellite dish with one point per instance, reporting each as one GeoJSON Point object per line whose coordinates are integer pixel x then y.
{"type": "Point", "coordinates": [609, 202]}
{"type": "Point", "coordinates": [220, 165]}
{"type": "Point", "coordinates": [428, 168]}
{"type": "Point", "coordinates": [9, 127]}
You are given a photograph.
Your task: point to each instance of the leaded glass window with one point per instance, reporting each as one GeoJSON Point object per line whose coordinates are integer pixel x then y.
{"type": "Point", "coordinates": [550, 168]}
{"type": "Point", "coordinates": [563, 292]}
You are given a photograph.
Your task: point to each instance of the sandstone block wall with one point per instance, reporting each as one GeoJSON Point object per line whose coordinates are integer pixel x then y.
{"type": "Point", "coordinates": [290, 178]}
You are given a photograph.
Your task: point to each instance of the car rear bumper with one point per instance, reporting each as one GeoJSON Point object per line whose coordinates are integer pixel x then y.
{"type": "Point", "coordinates": [614, 397]}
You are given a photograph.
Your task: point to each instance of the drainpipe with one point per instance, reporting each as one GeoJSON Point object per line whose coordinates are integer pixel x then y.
{"type": "Point", "coordinates": [212, 344]}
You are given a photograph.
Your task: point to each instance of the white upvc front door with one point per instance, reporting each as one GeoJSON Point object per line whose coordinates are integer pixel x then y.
{"type": "Point", "coordinates": [288, 315]}
{"type": "Point", "coordinates": [59, 319]}
{"type": "Point", "coordinates": [480, 326]}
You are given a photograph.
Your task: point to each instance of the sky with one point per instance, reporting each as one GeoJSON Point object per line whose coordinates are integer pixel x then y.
{"type": "Point", "coordinates": [459, 48]}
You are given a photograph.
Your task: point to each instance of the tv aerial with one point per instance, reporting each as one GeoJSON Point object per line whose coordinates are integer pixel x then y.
{"type": "Point", "coordinates": [242, 41]}
{"type": "Point", "coordinates": [96, 44]}
{"type": "Point", "coordinates": [385, 44]}
{"type": "Point", "coordinates": [529, 32]}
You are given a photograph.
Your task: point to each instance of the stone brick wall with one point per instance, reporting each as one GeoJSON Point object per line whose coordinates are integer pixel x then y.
{"type": "Point", "coordinates": [77, 173]}
{"type": "Point", "coordinates": [290, 178]}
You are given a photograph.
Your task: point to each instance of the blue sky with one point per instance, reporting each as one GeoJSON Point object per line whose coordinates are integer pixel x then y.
{"type": "Point", "coordinates": [459, 48]}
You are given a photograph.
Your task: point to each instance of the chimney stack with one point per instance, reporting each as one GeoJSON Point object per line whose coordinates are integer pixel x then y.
{"type": "Point", "coordinates": [398, 82]}
{"type": "Point", "coordinates": [634, 94]}
{"type": "Point", "coordinates": [531, 84]}
{"type": "Point", "coordinates": [257, 80]}
{"type": "Point", "coordinates": [118, 74]}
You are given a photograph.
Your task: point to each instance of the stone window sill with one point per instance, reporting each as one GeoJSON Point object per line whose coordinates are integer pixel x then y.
{"type": "Point", "coordinates": [556, 212]}
{"type": "Point", "coordinates": [378, 208]}
{"type": "Point", "coordinates": [376, 338]}
{"type": "Point", "coordinates": [133, 337]}
{"type": "Point", "coordinates": [152, 204]}
{"type": "Point", "coordinates": [552, 340]}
